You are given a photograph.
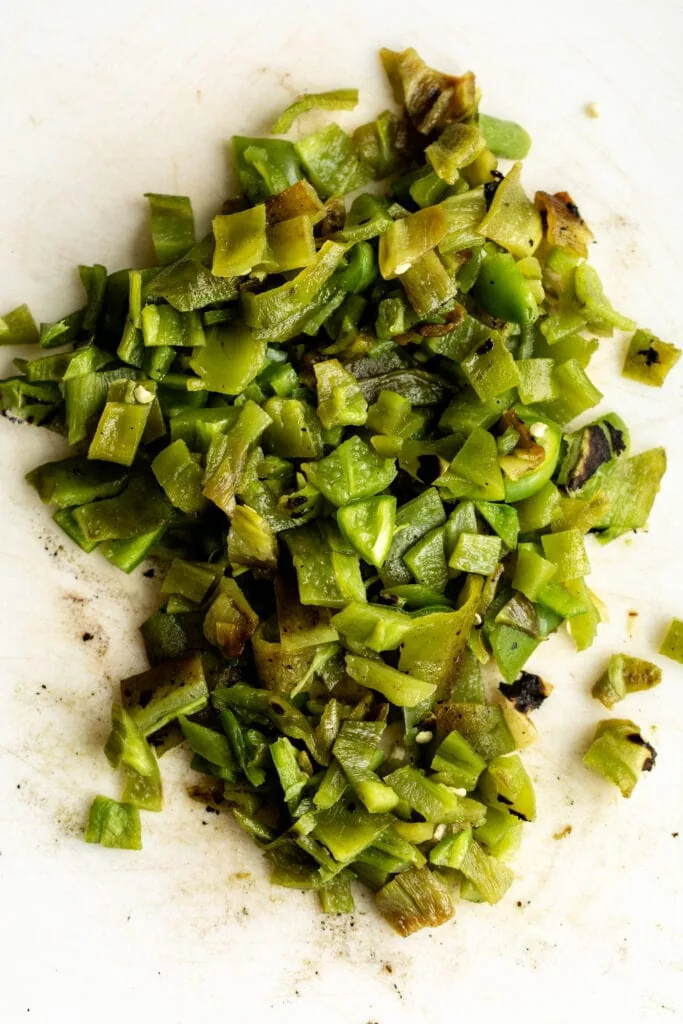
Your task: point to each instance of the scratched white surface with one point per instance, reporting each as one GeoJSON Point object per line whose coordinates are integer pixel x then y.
{"type": "Point", "coordinates": [103, 102]}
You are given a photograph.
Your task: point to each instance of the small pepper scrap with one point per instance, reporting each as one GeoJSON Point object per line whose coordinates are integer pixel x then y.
{"type": "Point", "coordinates": [343, 428]}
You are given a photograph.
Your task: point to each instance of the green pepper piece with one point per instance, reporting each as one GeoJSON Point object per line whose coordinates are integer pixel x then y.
{"type": "Point", "coordinates": [489, 877]}
{"type": "Point", "coordinates": [375, 626]}
{"type": "Point", "coordinates": [156, 697]}
{"type": "Point", "coordinates": [456, 758]}
{"type": "Point", "coordinates": [620, 753]}
{"type": "Point", "coordinates": [406, 241]}
{"type": "Point", "coordinates": [290, 245]}
{"type": "Point", "coordinates": [427, 283]}
{"type": "Point", "coordinates": [482, 725]}
{"type": "Point", "coordinates": [512, 219]}
{"type": "Point", "coordinates": [464, 214]}
{"type": "Point", "coordinates": [264, 167]}
{"type": "Point", "coordinates": [164, 638]}
{"type": "Point", "coordinates": [251, 542]}
{"type": "Point", "coordinates": [114, 824]}
{"type": "Point", "coordinates": [230, 360]}
{"type": "Point", "coordinates": [368, 524]}
{"type": "Point", "coordinates": [347, 830]}
{"type": "Point", "coordinates": [567, 553]}
{"type": "Point", "coordinates": [507, 782]}
{"type": "Point", "coordinates": [18, 327]}
{"type": "Point", "coordinates": [532, 572]}
{"type": "Point", "coordinates": [649, 360]}
{"type": "Point", "coordinates": [403, 690]}
{"type": "Point", "coordinates": [427, 560]}
{"type": "Point", "coordinates": [180, 476]}
{"type": "Point", "coordinates": [490, 369]}
{"type": "Point", "coordinates": [457, 146]}
{"type": "Point", "coordinates": [128, 554]}
{"type": "Point", "coordinates": [504, 138]}
{"type": "Point", "coordinates": [119, 432]}
{"type": "Point", "coordinates": [549, 436]}
{"type": "Point", "coordinates": [432, 649]}
{"type": "Point", "coordinates": [415, 899]}
{"type": "Point", "coordinates": [190, 579]}
{"type": "Point", "coordinates": [672, 644]}
{"type": "Point", "coordinates": [127, 747]}
{"type": "Point", "coordinates": [475, 471]}
{"type": "Point", "coordinates": [241, 242]}
{"type": "Point", "coordinates": [63, 332]}
{"type": "Point", "coordinates": [357, 751]}
{"type": "Point", "coordinates": [502, 519]}
{"type": "Point", "coordinates": [230, 620]}
{"type": "Point", "coordinates": [625, 675]}
{"type": "Point", "coordinates": [631, 486]}
{"type": "Point", "coordinates": [76, 481]}
{"type": "Point", "coordinates": [511, 648]}
{"type": "Point", "coordinates": [340, 400]}
{"type": "Point", "coordinates": [583, 626]}
{"type": "Point", "coordinates": [140, 508]}
{"type": "Point", "coordinates": [593, 302]}
{"type": "Point", "coordinates": [330, 162]}
{"type": "Point", "coordinates": [351, 472]}
{"type": "Point", "coordinates": [64, 518]}
{"type": "Point", "coordinates": [414, 520]}
{"type": "Point", "coordinates": [475, 553]}
{"type": "Point", "coordinates": [434, 801]}
{"type": "Point", "coordinates": [503, 291]}
{"type": "Point", "coordinates": [327, 569]}
{"type": "Point", "coordinates": [501, 833]}
{"type": "Point", "coordinates": [172, 223]}
{"type": "Point", "coordinates": [278, 314]}
{"type": "Point", "coordinates": [212, 746]}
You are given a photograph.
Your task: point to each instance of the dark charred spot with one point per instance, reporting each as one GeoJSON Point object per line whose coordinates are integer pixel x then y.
{"type": "Point", "coordinates": [504, 800]}
{"type": "Point", "coordinates": [390, 599]}
{"type": "Point", "coordinates": [650, 355]}
{"type": "Point", "coordinates": [87, 637]}
{"type": "Point", "coordinates": [573, 209]}
{"type": "Point", "coordinates": [595, 450]}
{"type": "Point", "coordinates": [485, 347]}
{"type": "Point", "coordinates": [638, 740]}
{"type": "Point", "coordinates": [149, 573]}
{"type": "Point", "coordinates": [616, 438]}
{"type": "Point", "coordinates": [527, 693]}
{"type": "Point", "coordinates": [517, 814]}
{"type": "Point", "coordinates": [428, 468]}
{"type": "Point", "coordinates": [490, 189]}
{"type": "Point", "coordinates": [145, 697]}
{"type": "Point", "coordinates": [296, 501]}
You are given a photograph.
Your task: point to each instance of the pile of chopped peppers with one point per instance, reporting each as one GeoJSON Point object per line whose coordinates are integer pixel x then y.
{"type": "Point", "coordinates": [343, 423]}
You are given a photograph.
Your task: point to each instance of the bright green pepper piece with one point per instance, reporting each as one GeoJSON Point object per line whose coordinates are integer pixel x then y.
{"type": "Point", "coordinates": [427, 560]}
{"type": "Point", "coordinates": [504, 138]}
{"type": "Point", "coordinates": [567, 552]}
{"type": "Point", "coordinates": [351, 472]}
{"type": "Point", "coordinates": [264, 167]}
{"type": "Point", "coordinates": [241, 241]}
{"type": "Point", "coordinates": [127, 747]}
{"type": "Point", "coordinates": [403, 690]}
{"type": "Point", "coordinates": [549, 436]}
{"type": "Point", "coordinates": [172, 226]}
{"type": "Point", "coordinates": [503, 291]}
{"type": "Point", "coordinates": [340, 400]}
{"type": "Point", "coordinates": [490, 369]}
{"type": "Point", "coordinates": [230, 360]}
{"type": "Point", "coordinates": [672, 644]}
{"type": "Point", "coordinates": [475, 553]}
{"type": "Point", "coordinates": [180, 476]}
{"type": "Point", "coordinates": [330, 162]}
{"type": "Point", "coordinates": [327, 569]}
{"type": "Point", "coordinates": [18, 327]}
{"type": "Point", "coordinates": [532, 572]}
{"type": "Point", "coordinates": [76, 481]}
{"type": "Point", "coordinates": [414, 519]}
{"type": "Point", "coordinates": [114, 824]}
{"type": "Point", "coordinates": [369, 525]}
{"type": "Point", "coordinates": [475, 472]}
{"type": "Point", "coordinates": [457, 759]}
{"type": "Point", "coordinates": [620, 753]}
{"type": "Point", "coordinates": [625, 675]}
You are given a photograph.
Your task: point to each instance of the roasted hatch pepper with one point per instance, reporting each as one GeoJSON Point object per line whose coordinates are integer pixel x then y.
{"type": "Point", "coordinates": [504, 138]}
{"type": "Point", "coordinates": [620, 753]}
{"type": "Point", "coordinates": [172, 226]}
{"type": "Point", "coordinates": [114, 824]}
{"type": "Point", "coordinates": [369, 525]}
{"type": "Point", "coordinates": [672, 644]}
{"type": "Point", "coordinates": [503, 291]}
{"type": "Point", "coordinates": [350, 473]}
{"type": "Point", "coordinates": [625, 675]}
{"type": "Point", "coordinates": [649, 360]}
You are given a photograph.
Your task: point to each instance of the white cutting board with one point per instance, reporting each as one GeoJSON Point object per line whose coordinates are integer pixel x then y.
{"type": "Point", "coordinates": [102, 102]}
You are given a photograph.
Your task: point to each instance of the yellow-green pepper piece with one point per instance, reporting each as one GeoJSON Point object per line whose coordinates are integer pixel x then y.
{"type": "Point", "coordinates": [649, 360]}
{"type": "Point", "coordinates": [672, 644]}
